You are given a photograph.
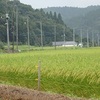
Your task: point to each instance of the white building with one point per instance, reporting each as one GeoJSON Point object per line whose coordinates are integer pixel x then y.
{"type": "Point", "coordinates": [65, 44]}
{"type": "Point", "coordinates": [80, 45]}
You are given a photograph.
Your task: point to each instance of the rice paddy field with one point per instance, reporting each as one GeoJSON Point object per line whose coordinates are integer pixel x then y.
{"type": "Point", "coordinates": [73, 72]}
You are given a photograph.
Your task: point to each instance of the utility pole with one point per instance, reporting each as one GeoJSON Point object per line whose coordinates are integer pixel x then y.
{"type": "Point", "coordinates": [81, 37]}
{"type": "Point", "coordinates": [13, 14]}
{"type": "Point", "coordinates": [13, 31]}
{"type": "Point", "coordinates": [28, 33]}
{"type": "Point", "coordinates": [7, 23]}
{"type": "Point", "coordinates": [92, 39]}
{"type": "Point", "coordinates": [98, 39]}
{"type": "Point", "coordinates": [39, 75]}
{"type": "Point", "coordinates": [55, 35]}
{"type": "Point", "coordinates": [7, 20]}
{"type": "Point", "coordinates": [87, 39]}
{"type": "Point", "coordinates": [41, 35]}
{"type": "Point", "coordinates": [16, 28]}
{"type": "Point", "coordinates": [64, 35]}
{"type": "Point", "coordinates": [74, 35]}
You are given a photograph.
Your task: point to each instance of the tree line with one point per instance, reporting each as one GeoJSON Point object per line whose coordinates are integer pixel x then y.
{"type": "Point", "coordinates": [36, 17]}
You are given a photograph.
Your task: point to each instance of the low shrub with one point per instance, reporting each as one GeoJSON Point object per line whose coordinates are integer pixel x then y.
{"type": "Point", "coordinates": [1, 45]}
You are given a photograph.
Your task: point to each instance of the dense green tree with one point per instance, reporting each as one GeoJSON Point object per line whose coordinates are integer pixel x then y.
{"type": "Point", "coordinates": [55, 16]}
{"type": "Point", "coordinates": [51, 15]}
{"type": "Point", "coordinates": [60, 18]}
{"type": "Point", "coordinates": [36, 16]}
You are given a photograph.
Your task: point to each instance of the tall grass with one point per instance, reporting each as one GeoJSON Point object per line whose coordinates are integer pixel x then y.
{"type": "Point", "coordinates": [73, 72]}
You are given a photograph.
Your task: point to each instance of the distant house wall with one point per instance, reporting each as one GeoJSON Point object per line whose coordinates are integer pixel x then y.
{"type": "Point", "coordinates": [66, 43]}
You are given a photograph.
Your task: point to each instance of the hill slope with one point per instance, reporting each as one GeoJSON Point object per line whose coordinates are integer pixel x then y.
{"type": "Point", "coordinates": [78, 17]}
{"type": "Point", "coordinates": [82, 20]}
{"type": "Point", "coordinates": [38, 20]}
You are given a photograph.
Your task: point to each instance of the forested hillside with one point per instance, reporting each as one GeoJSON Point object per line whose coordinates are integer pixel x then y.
{"type": "Point", "coordinates": [88, 20]}
{"type": "Point", "coordinates": [77, 17]}
{"type": "Point", "coordinates": [48, 23]}
{"type": "Point", "coordinates": [70, 12]}
{"type": "Point", "coordinates": [85, 21]}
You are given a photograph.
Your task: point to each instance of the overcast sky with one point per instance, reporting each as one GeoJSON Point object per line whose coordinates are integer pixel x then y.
{"type": "Point", "coordinates": [60, 3]}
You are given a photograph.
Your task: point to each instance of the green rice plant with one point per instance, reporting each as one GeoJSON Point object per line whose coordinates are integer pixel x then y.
{"type": "Point", "coordinates": [67, 71]}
